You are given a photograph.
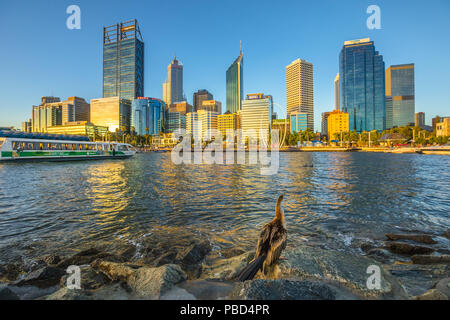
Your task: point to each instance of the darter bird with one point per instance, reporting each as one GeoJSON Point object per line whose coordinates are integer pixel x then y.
{"type": "Point", "coordinates": [272, 241]}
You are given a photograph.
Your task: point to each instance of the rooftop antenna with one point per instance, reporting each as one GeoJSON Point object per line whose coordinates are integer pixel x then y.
{"type": "Point", "coordinates": [240, 46]}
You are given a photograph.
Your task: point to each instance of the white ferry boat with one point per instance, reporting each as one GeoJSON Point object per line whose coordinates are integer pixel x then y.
{"type": "Point", "coordinates": [19, 146]}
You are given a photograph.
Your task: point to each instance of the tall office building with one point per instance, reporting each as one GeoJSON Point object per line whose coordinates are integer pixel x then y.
{"type": "Point", "coordinates": [181, 107]}
{"type": "Point", "coordinates": [299, 121]}
{"type": "Point", "coordinates": [199, 97]}
{"type": "Point", "coordinates": [47, 114]}
{"type": "Point", "coordinates": [400, 92]}
{"type": "Point", "coordinates": [337, 123]}
{"type": "Point", "coordinates": [147, 115]}
{"type": "Point", "coordinates": [27, 126]}
{"type": "Point", "coordinates": [324, 123]}
{"type": "Point", "coordinates": [198, 123]}
{"type": "Point", "coordinates": [389, 113]}
{"type": "Point", "coordinates": [81, 128]}
{"type": "Point", "coordinates": [300, 89]}
{"type": "Point", "coordinates": [228, 121]}
{"type": "Point", "coordinates": [337, 106]}
{"type": "Point", "coordinates": [362, 82]}
{"type": "Point", "coordinates": [235, 84]}
{"type": "Point", "coordinates": [123, 61]}
{"type": "Point", "coordinates": [211, 105]}
{"type": "Point", "coordinates": [54, 112]}
{"type": "Point", "coordinates": [175, 121]}
{"type": "Point", "coordinates": [113, 113]}
{"type": "Point", "coordinates": [173, 86]}
{"type": "Point", "coordinates": [75, 109]}
{"type": "Point", "coordinates": [256, 114]}
{"type": "Point", "coordinates": [419, 119]}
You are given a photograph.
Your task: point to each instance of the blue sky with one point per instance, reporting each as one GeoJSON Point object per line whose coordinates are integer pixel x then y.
{"type": "Point", "coordinates": [40, 56]}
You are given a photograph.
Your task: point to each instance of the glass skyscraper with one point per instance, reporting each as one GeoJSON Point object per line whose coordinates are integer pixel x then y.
{"type": "Point", "coordinates": [362, 85]}
{"type": "Point", "coordinates": [235, 84]}
{"type": "Point", "coordinates": [123, 61]}
{"type": "Point", "coordinates": [147, 116]}
{"type": "Point", "coordinates": [400, 95]}
{"type": "Point", "coordinates": [173, 86]}
{"type": "Point", "coordinates": [175, 120]}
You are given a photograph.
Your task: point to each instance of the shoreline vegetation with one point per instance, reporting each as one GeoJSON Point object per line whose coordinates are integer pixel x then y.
{"type": "Point", "coordinates": [412, 266]}
{"type": "Point", "coordinates": [442, 150]}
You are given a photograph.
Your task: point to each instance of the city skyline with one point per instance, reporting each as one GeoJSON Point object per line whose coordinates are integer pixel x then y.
{"type": "Point", "coordinates": [85, 71]}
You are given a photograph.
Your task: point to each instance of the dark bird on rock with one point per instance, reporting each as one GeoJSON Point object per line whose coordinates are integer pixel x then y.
{"type": "Point", "coordinates": [272, 241]}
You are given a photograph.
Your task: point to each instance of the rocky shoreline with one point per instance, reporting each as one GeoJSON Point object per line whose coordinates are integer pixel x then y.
{"type": "Point", "coordinates": [411, 267]}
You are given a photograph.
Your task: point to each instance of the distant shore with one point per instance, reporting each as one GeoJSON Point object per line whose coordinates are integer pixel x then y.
{"type": "Point", "coordinates": [402, 150]}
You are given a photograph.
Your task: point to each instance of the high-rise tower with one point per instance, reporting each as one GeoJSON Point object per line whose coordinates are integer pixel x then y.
{"type": "Point", "coordinates": [400, 95]}
{"type": "Point", "coordinates": [300, 89]}
{"type": "Point", "coordinates": [123, 61]}
{"type": "Point", "coordinates": [235, 84]}
{"type": "Point", "coordinates": [362, 85]}
{"type": "Point", "coordinates": [173, 86]}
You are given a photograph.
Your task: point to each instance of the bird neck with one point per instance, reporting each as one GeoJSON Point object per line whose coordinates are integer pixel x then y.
{"type": "Point", "coordinates": [279, 214]}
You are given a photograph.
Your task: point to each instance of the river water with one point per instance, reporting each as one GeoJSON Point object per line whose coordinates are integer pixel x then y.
{"type": "Point", "coordinates": [334, 200]}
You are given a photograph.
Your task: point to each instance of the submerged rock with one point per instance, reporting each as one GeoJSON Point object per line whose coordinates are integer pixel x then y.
{"type": "Point", "coordinates": [409, 249]}
{"type": "Point", "coordinates": [381, 255]}
{"type": "Point", "coordinates": [145, 282]}
{"type": "Point", "coordinates": [345, 268]}
{"type": "Point", "coordinates": [87, 257]}
{"type": "Point", "coordinates": [43, 278]}
{"type": "Point", "coordinates": [282, 290]}
{"type": "Point", "coordinates": [226, 269]}
{"type": "Point", "coordinates": [231, 252]}
{"type": "Point", "coordinates": [417, 278]}
{"type": "Point", "coordinates": [422, 238]}
{"type": "Point", "coordinates": [429, 259]}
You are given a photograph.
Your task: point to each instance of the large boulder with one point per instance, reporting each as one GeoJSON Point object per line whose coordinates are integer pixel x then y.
{"type": "Point", "coordinates": [226, 269]}
{"type": "Point", "coordinates": [145, 282]}
{"type": "Point", "coordinates": [42, 278]}
{"type": "Point", "coordinates": [191, 257]}
{"type": "Point", "coordinates": [345, 268]}
{"type": "Point", "coordinates": [282, 290]}
{"type": "Point", "coordinates": [417, 278]}
{"type": "Point", "coordinates": [408, 249]}
{"type": "Point", "coordinates": [91, 279]}
{"type": "Point", "coordinates": [422, 238]}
